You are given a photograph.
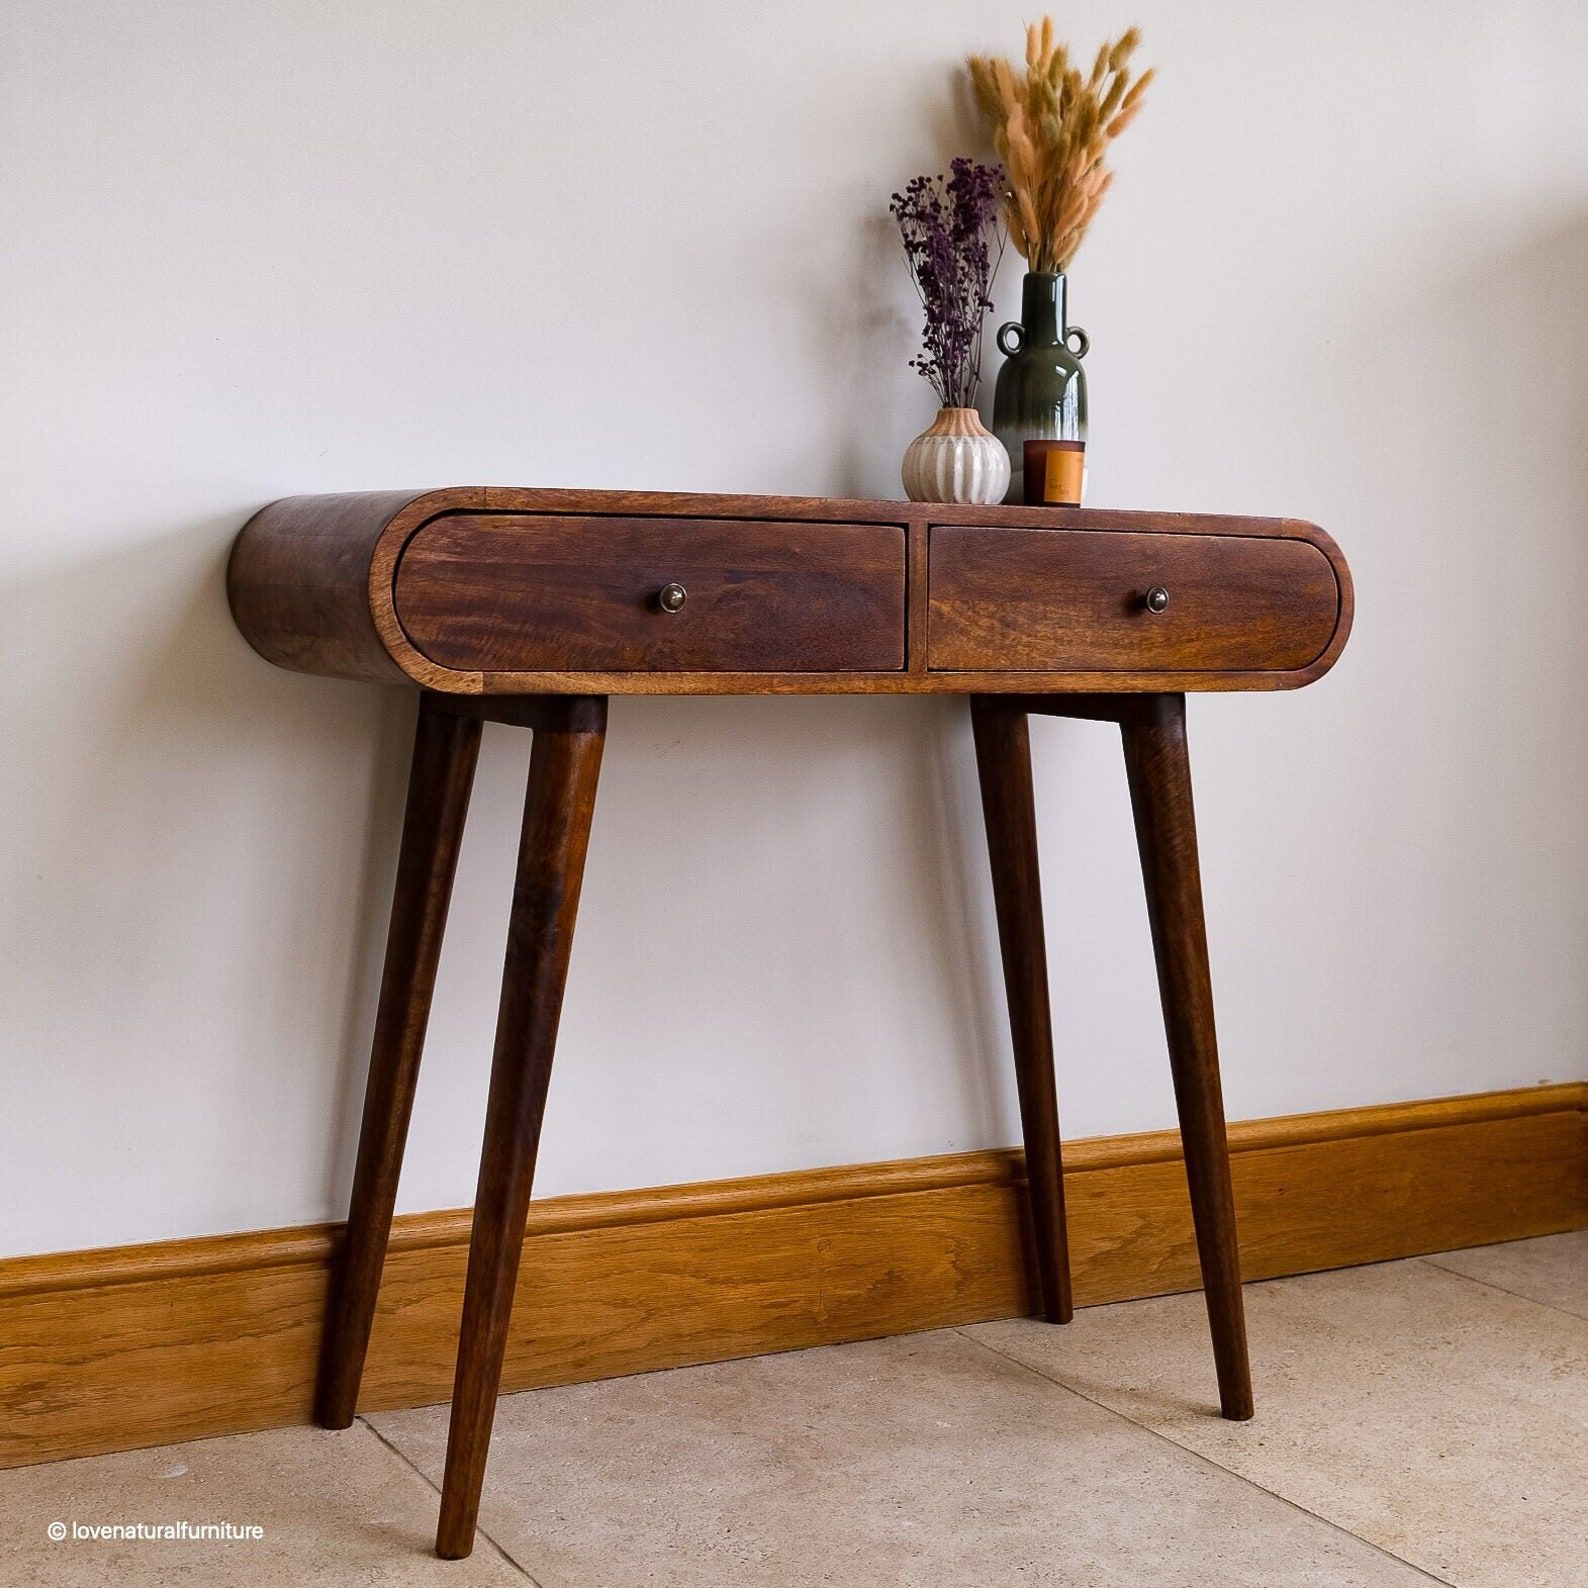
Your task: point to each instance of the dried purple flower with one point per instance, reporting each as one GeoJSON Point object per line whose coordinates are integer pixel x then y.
{"type": "Point", "coordinates": [953, 242]}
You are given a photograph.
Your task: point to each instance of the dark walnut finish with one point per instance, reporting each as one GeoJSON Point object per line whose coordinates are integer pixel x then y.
{"type": "Point", "coordinates": [363, 587]}
{"type": "Point", "coordinates": [1008, 801]}
{"type": "Point", "coordinates": [440, 778]}
{"type": "Point", "coordinates": [531, 607]}
{"type": "Point", "coordinates": [516, 592]}
{"type": "Point", "coordinates": [1159, 770]}
{"type": "Point", "coordinates": [563, 766]}
{"type": "Point", "coordinates": [1043, 600]}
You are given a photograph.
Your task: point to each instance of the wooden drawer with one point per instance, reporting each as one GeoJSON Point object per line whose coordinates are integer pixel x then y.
{"type": "Point", "coordinates": [1045, 600]}
{"type": "Point", "coordinates": [514, 592]}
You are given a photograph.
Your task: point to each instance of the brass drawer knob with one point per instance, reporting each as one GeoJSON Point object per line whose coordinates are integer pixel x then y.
{"type": "Point", "coordinates": [1156, 599]}
{"type": "Point", "coordinates": [671, 597]}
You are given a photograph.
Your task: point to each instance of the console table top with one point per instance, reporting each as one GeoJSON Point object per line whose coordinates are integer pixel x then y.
{"type": "Point", "coordinates": [484, 590]}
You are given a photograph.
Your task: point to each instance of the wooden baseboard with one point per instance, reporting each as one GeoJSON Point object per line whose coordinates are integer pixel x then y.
{"type": "Point", "coordinates": [138, 1345]}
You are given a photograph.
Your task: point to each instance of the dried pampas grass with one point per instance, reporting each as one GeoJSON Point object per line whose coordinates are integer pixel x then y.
{"type": "Point", "coordinates": [1052, 128]}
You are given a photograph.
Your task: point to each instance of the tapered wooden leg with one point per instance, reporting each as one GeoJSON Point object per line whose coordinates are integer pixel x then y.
{"type": "Point", "coordinates": [1003, 761]}
{"type": "Point", "coordinates": [1159, 769]}
{"type": "Point", "coordinates": [564, 764]}
{"type": "Point", "coordinates": [445, 751]}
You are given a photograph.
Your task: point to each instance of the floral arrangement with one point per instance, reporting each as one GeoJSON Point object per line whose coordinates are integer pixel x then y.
{"type": "Point", "coordinates": [952, 244]}
{"type": "Point", "coordinates": [1052, 128]}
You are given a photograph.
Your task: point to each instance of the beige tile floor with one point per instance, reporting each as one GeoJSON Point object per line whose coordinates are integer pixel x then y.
{"type": "Point", "coordinates": [1421, 1421]}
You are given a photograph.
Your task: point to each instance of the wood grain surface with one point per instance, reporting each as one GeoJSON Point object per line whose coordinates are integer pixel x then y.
{"type": "Point", "coordinates": [441, 775]}
{"type": "Point", "coordinates": [314, 585]}
{"type": "Point", "coordinates": [111, 1349]}
{"type": "Point", "coordinates": [1075, 600]}
{"type": "Point", "coordinates": [520, 592]}
{"type": "Point", "coordinates": [1158, 769]}
{"type": "Point", "coordinates": [559, 803]}
{"type": "Point", "coordinates": [1008, 799]}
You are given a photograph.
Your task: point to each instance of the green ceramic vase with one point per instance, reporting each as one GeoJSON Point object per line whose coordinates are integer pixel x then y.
{"type": "Point", "coordinates": [1041, 390]}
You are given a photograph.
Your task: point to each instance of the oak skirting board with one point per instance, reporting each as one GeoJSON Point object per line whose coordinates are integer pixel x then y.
{"type": "Point", "coordinates": [138, 1345]}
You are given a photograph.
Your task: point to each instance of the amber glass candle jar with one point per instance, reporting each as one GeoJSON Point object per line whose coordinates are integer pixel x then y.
{"type": "Point", "coordinates": [1054, 473]}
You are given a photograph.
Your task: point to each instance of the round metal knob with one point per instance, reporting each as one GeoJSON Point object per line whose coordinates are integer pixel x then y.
{"type": "Point", "coordinates": [1156, 599]}
{"type": "Point", "coordinates": [671, 597]}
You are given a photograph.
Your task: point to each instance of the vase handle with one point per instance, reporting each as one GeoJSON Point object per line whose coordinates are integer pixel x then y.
{"type": "Point", "coordinates": [1011, 337]}
{"type": "Point", "coordinates": [1085, 341]}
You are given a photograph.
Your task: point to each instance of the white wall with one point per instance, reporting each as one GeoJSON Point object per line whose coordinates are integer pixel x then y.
{"type": "Point", "coordinates": [256, 249]}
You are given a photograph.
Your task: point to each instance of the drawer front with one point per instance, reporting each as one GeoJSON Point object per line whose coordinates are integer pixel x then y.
{"type": "Point", "coordinates": [509, 592]}
{"type": "Point", "coordinates": [1078, 601]}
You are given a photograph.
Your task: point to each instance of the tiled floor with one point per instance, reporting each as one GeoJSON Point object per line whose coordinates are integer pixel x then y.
{"type": "Point", "coordinates": [1422, 1421]}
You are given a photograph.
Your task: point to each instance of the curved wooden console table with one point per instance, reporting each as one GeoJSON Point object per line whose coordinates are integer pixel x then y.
{"type": "Point", "coordinates": [532, 607]}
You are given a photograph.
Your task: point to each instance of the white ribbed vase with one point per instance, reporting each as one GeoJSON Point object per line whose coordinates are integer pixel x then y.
{"type": "Point", "coordinates": [958, 459]}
